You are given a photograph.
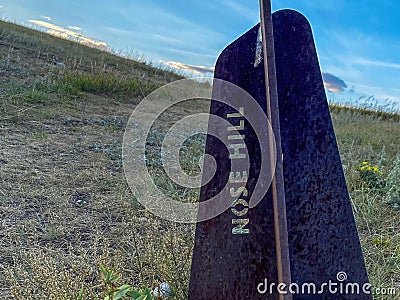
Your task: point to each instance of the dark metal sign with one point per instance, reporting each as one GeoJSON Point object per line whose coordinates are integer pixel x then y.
{"type": "Point", "coordinates": [247, 252]}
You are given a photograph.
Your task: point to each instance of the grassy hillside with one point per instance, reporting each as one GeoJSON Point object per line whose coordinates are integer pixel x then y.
{"type": "Point", "coordinates": [65, 205]}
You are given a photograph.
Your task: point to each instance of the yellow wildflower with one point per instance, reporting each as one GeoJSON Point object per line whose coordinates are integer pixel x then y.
{"type": "Point", "coordinates": [365, 163]}
{"type": "Point", "coordinates": [376, 169]}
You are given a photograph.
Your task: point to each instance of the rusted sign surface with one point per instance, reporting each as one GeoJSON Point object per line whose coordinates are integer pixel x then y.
{"type": "Point", "coordinates": [234, 255]}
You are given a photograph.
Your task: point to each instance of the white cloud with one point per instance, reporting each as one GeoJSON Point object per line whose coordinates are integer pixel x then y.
{"type": "Point", "coordinates": [68, 34]}
{"type": "Point", "coordinates": [46, 18]}
{"type": "Point", "coordinates": [190, 68]}
{"type": "Point", "coordinates": [75, 28]}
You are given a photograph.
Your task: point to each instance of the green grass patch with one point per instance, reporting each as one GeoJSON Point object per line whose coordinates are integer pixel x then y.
{"type": "Point", "coordinates": [106, 84]}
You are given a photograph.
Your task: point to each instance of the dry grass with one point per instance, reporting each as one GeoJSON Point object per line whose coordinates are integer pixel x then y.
{"type": "Point", "coordinates": [373, 138]}
{"type": "Point", "coordinates": [67, 205]}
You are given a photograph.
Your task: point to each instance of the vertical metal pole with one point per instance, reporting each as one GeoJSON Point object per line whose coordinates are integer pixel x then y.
{"type": "Point", "coordinates": [277, 185]}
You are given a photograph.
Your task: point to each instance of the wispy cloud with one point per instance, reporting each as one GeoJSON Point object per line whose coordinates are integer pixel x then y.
{"type": "Point", "coordinates": [69, 34]}
{"type": "Point", "coordinates": [329, 6]}
{"type": "Point", "coordinates": [190, 68]}
{"type": "Point", "coordinates": [171, 35]}
{"type": "Point", "coordinates": [376, 63]}
{"type": "Point", "coordinates": [242, 10]}
{"type": "Point", "coordinates": [333, 84]}
{"type": "Point", "coordinates": [189, 53]}
{"type": "Point", "coordinates": [362, 60]}
{"type": "Point", "coordinates": [46, 18]}
{"type": "Point", "coordinates": [378, 92]}
{"type": "Point", "coordinates": [75, 28]}
{"type": "Point", "coordinates": [167, 39]}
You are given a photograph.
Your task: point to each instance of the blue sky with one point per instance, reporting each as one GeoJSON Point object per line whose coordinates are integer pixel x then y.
{"type": "Point", "coordinates": [358, 42]}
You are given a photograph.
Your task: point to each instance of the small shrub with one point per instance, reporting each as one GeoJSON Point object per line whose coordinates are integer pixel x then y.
{"type": "Point", "coordinates": [35, 96]}
{"type": "Point", "coordinates": [371, 176]}
{"type": "Point", "coordinates": [114, 292]}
